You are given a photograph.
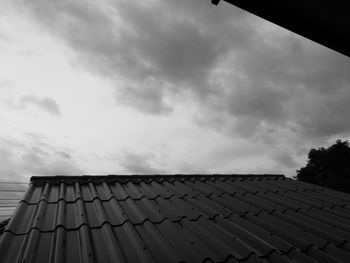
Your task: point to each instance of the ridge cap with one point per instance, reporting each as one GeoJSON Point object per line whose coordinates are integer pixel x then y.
{"type": "Point", "coordinates": [123, 177]}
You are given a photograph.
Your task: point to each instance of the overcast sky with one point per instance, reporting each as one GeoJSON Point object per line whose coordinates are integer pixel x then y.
{"type": "Point", "coordinates": [154, 86]}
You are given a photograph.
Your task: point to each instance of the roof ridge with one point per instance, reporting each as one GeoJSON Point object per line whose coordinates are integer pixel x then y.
{"type": "Point", "coordinates": [123, 177]}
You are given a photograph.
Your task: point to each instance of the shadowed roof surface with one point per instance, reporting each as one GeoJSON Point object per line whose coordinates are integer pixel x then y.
{"type": "Point", "coordinates": [177, 218]}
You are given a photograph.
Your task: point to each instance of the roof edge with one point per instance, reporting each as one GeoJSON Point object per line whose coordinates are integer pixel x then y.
{"type": "Point", "coordinates": [113, 177]}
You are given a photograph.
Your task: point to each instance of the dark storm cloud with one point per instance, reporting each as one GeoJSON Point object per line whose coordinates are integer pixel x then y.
{"type": "Point", "coordinates": [47, 104]}
{"type": "Point", "coordinates": [249, 76]}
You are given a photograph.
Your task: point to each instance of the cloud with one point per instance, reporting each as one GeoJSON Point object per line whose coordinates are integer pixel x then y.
{"type": "Point", "coordinates": [285, 158]}
{"type": "Point", "coordinates": [126, 40]}
{"type": "Point", "coordinates": [64, 154]}
{"type": "Point", "coordinates": [34, 155]}
{"type": "Point", "coordinates": [148, 97]}
{"type": "Point", "coordinates": [248, 77]}
{"type": "Point", "coordinates": [138, 163]}
{"type": "Point", "coordinates": [58, 167]}
{"type": "Point", "coordinates": [46, 104]}
{"type": "Point", "coordinates": [21, 159]}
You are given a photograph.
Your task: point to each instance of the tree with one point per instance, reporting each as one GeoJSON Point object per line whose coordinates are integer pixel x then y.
{"type": "Point", "coordinates": [328, 167]}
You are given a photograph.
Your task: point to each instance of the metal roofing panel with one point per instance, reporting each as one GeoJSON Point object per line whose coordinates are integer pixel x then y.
{"type": "Point", "coordinates": [178, 218]}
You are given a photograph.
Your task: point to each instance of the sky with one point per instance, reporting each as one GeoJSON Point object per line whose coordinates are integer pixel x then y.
{"type": "Point", "coordinates": [152, 86]}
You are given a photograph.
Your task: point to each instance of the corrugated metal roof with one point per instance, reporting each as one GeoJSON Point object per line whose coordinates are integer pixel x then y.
{"type": "Point", "coordinates": [10, 194]}
{"type": "Point", "coordinates": [177, 218]}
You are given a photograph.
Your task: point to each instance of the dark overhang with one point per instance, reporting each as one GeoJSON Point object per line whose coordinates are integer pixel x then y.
{"type": "Point", "coordinates": [325, 22]}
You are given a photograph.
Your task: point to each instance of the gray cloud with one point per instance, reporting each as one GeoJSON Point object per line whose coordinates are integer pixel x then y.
{"type": "Point", "coordinates": [34, 155]}
{"type": "Point", "coordinates": [64, 154]}
{"type": "Point", "coordinates": [285, 158]}
{"type": "Point", "coordinates": [306, 89]}
{"type": "Point", "coordinates": [147, 97]}
{"type": "Point", "coordinates": [22, 159]}
{"type": "Point", "coordinates": [249, 77]}
{"type": "Point", "coordinates": [58, 167]}
{"type": "Point", "coordinates": [138, 163]}
{"type": "Point", "coordinates": [47, 104]}
{"type": "Point", "coordinates": [139, 45]}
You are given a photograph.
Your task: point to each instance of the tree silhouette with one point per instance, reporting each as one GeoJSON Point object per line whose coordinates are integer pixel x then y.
{"type": "Point", "coordinates": [328, 167]}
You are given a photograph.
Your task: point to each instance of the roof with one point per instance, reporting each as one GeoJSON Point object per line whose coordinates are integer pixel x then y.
{"type": "Point", "coordinates": [323, 21]}
{"type": "Point", "coordinates": [177, 218]}
{"type": "Point", "coordinates": [10, 194]}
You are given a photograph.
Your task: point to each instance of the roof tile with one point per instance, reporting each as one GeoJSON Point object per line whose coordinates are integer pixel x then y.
{"type": "Point", "coordinates": [180, 218]}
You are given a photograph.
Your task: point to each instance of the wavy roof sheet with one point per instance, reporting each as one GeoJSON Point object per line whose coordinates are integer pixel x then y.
{"type": "Point", "coordinates": [179, 218]}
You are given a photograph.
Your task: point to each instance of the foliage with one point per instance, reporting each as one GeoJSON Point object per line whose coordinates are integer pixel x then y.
{"type": "Point", "coordinates": [328, 167]}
